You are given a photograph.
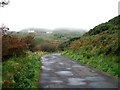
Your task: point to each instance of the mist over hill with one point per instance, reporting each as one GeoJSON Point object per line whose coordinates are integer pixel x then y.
{"type": "Point", "coordinates": [62, 34]}
{"type": "Point", "coordinates": [53, 30]}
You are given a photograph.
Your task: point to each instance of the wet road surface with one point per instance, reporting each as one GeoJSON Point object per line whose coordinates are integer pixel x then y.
{"type": "Point", "coordinates": [60, 72]}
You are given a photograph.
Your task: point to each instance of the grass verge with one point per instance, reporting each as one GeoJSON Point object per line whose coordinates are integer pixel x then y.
{"type": "Point", "coordinates": [22, 72]}
{"type": "Point", "coordinates": [100, 62]}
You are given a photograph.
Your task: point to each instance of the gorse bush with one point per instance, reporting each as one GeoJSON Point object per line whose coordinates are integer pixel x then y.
{"type": "Point", "coordinates": [13, 45]}
{"type": "Point", "coordinates": [48, 47]}
{"type": "Point", "coordinates": [63, 45]}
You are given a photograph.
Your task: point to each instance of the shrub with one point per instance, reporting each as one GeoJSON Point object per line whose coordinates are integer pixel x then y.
{"type": "Point", "coordinates": [49, 47]}
{"type": "Point", "coordinates": [13, 45]}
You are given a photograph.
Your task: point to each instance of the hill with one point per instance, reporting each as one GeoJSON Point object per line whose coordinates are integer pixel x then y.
{"type": "Point", "coordinates": [101, 39]}
{"type": "Point", "coordinates": [46, 37]}
{"type": "Point", "coordinates": [98, 46]}
{"type": "Point", "coordinates": [61, 34]}
{"type": "Point", "coordinates": [65, 34]}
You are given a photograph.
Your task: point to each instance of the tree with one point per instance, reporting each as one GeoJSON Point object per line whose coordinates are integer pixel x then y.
{"type": "Point", "coordinates": [4, 2]}
{"type": "Point", "coordinates": [4, 29]}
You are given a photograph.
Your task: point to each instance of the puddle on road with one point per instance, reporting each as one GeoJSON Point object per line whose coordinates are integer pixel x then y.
{"type": "Point", "coordinates": [65, 73]}
{"type": "Point", "coordinates": [54, 86]}
{"type": "Point", "coordinates": [79, 66]}
{"type": "Point", "coordinates": [51, 62]}
{"type": "Point", "coordinates": [44, 68]}
{"type": "Point", "coordinates": [56, 54]}
{"type": "Point", "coordinates": [76, 81]}
{"type": "Point", "coordinates": [61, 63]}
{"type": "Point", "coordinates": [53, 57]}
{"type": "Point", "coordinates": [48, 62]}
{"type": "Point", "coordinates": [68, 68]}
{"type": "Point", "coordinates": [44, 59]}
{"type": "Point", "coordinates": [95, 78]}
{"type": "Point", "coordinates": [91, 71]}
{"type": "Point", "coordinates": [73, 61]}
{"type": "Point", "coordinates": [56, 81]}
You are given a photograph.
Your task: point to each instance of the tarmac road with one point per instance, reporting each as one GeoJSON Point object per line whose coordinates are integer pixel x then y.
{"type": "Point", "coordinates": [61, 72]}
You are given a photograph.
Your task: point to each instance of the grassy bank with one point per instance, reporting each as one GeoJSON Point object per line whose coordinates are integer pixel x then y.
{"type": "Point", "coordinates": [98, 48]}
{"type": "Point", "coordinates": [21, 72]}
{"type": "Point", "coordinates": [101, 62]}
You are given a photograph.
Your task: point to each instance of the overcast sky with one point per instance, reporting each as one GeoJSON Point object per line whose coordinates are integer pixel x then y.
{"type": "Point", "coordinates": [51, 14]}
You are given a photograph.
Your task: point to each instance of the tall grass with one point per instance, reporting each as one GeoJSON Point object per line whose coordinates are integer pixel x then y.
{"type": "Point", "coordinates": [21, 72]}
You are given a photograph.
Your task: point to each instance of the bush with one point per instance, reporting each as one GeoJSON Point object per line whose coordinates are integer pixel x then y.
{"type": "Point", "coordinates": [13, 45]}
{"type": "Point", "coordinates": [48, 47]}
{"type": "Point", "coordinates": [64, 45]}
{"type": "Point", "coordinates": [36, 48]}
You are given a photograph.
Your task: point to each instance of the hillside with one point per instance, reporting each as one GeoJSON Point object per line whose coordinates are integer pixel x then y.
{"type": "Point", "coordinates": [61, 34]}
{"type": "Point", "coordinates": [101, 39]}
{"type": "Point", "coordinates": [101, 42]}
{"type": "Point", "coordinates": [44, 38]}
{"type": "Point", "coordinates": [65, 34]}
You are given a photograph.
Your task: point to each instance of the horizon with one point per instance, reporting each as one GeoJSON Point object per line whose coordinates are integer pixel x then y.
{"type": "Point", "coordinates": [50, 30]}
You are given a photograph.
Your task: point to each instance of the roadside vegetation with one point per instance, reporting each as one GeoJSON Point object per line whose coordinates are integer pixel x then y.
{"type": "Point", "coordinates": [20, 65]}
{"type": "Point", "coordinates": [21, 51]}
{"type": "Point", "coordinates": [22, 71]}
{"type": "Point", "coordinates": [100, 62]}
{"type": "Point", "coordinates": [98, 48]}
{"type": "Point", "coordinates": [21, 55]}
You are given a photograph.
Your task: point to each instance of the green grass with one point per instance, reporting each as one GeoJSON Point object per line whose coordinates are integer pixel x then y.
{"type": "Point", "coordinates": [101, 62]}
{"type": "Point", "coordinates": [22, 72]}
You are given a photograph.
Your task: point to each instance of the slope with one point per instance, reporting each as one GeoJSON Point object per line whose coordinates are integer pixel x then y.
{"type": "Point", "coordinates": [99, 47]}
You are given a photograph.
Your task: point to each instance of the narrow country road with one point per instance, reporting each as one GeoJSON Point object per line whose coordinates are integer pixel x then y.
{"type": "Point", "coordinates": [60, 72]}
